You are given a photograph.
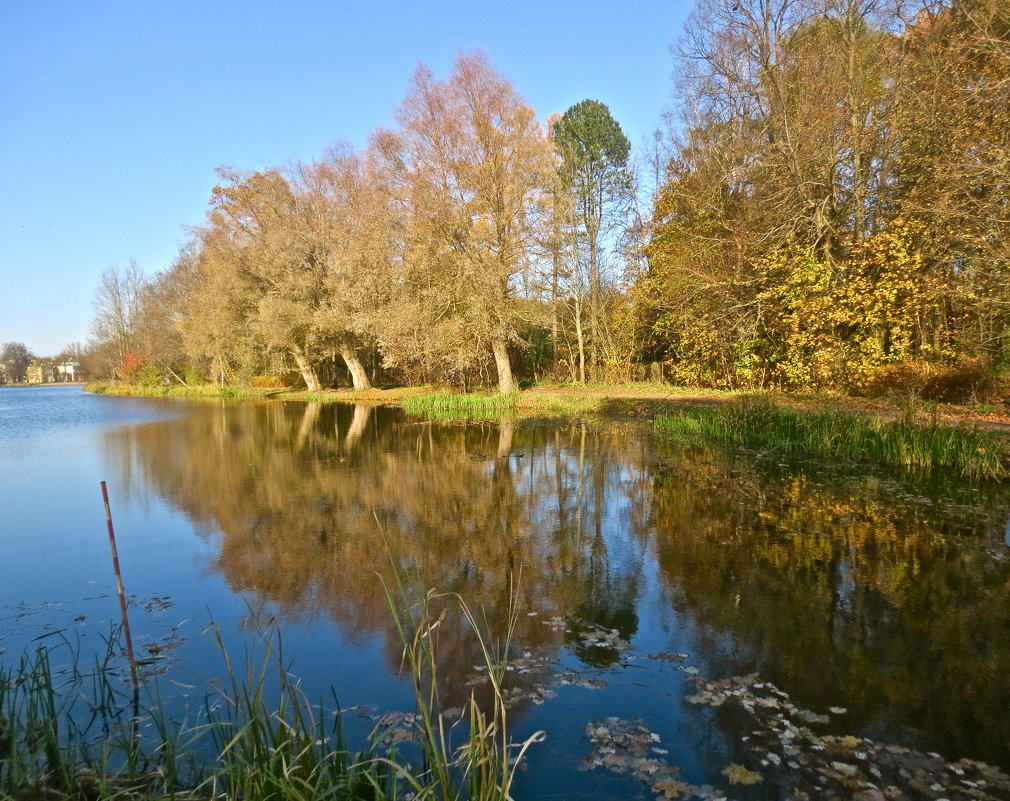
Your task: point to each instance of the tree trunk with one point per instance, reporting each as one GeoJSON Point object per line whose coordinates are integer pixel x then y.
{"type": "Point", "coordinates": [594, 310]}
{"type": "Point", "coordinates": [356, 368]}
{"type": "Point", "coordinates": [307, 370]}
{"type": "Point", "coordinates": [554, 313]}
{"type": "Point", "coordinates": [580, 338]}
{"type": "Point", "coordinates": [501, 359]}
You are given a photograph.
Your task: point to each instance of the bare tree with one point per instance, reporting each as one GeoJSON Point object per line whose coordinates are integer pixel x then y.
{"type": "Point", "coordinates": [116, 324]}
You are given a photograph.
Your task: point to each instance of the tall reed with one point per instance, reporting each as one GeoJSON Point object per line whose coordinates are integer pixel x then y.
{"type": "Point", "coordinates": [70, 733]}
{"type": "Point", "coordinates": [906, 443]}
{"type": "Point", "coordinates": [273, 743]}
{"type": "Point", "coordinates": [483, 767]}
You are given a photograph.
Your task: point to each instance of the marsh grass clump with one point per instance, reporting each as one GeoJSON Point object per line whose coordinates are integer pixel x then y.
{"type": "Point", "coordinates": [70, 733]}
{"type": "Point", "coordinates": [449, 406]}
{"type": "Point", "coordinates": [272, 742]}
{"type": "Point", "coordinates": [907, 443]}
{"type": "Point", "coordinates": [483, 766]}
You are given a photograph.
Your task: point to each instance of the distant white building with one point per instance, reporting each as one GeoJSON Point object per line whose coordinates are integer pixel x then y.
{"type": "Point", "coordinates": [50, 373]}
{"type": "Point", "coordinates": [67, 372]}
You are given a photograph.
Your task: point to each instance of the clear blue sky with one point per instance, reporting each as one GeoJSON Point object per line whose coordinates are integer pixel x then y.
{"type": "Point", "coordinates": [114, 113]}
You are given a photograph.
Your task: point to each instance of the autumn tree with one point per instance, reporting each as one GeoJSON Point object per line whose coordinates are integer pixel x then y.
{"type": "Point", "coordinates": [353, 221]}
{"type": "Point", "coordinates": [164, 310]}
{"type": "Point", "coordinates": [216, 331]}
{"type": "Point", "coordinates": [468, 164]}
{"type": "Point", "coordinates": [786, 245]}
{"type": "Point", "coordinates": [954, 126]}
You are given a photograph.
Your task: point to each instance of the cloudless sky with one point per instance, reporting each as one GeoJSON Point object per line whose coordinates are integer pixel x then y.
{"type": "Point", "coordinates": [115, 113]}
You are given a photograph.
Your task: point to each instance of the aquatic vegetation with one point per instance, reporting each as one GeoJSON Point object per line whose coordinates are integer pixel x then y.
{"type": "Point", "coordinates": [483, 767]}
{"type": "Point", "coordinates": [905, 443]}
{"type": "Point", "coordinates": [449, 406]}
{"type": "Point", "coordinates": [79, 732]}
{"type": "Point", "coordinates": [783, 747]}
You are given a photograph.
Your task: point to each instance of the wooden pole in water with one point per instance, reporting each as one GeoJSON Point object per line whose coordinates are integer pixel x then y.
{"type": "Point", "coordinates": [119, 590]}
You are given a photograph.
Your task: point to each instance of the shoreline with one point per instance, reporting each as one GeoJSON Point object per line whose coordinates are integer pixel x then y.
{"type": "Point", "coordinates": [620, 401]}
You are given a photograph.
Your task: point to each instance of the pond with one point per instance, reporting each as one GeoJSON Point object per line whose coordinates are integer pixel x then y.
{"type": "Point", "coordinates": [658, 584]}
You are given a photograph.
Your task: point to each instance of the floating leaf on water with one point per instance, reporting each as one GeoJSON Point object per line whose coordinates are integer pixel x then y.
{"type": "Point", "coordinates": [846, 769]}
{"type": "Point", "coordinates": [838, 710]}
{"type": "Point", "coordinates": [673, 789]}
{"type": "Point", "coordinates": [811, 717]}
{"type": "Point", "coordinates": [665, 657]}
{"type": "Point", "coordinates": [738, 774]}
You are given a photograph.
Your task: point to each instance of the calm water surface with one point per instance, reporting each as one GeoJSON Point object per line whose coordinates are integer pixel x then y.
{"type": "Point", "coordinates": [883, 596]}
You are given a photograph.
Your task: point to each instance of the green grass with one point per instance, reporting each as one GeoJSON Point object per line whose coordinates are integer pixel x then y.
{"type": "Point", "coordinates": [70, 733]}
{"type": "Point", "coordinates": [904, 443]}
{"type": "Point", "coordinates": [448, 406]}
{"type": "Point", "coordinates": [483, 766]}
{"type": "Point", "coordinates": [173, 390]}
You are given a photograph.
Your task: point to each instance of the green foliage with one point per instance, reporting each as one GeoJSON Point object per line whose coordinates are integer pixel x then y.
{"type": "Point", "coordinates": [759, 423]}
{"type": "Point", "coordinates": [194, 377]}
{"type": "Point", "coordinates": [591, 143]}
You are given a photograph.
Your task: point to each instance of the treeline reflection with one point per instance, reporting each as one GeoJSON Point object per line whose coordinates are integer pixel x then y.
{"type": "Point", "coordinates": [313, 504]}
{"type": "Point", "coordinates": [845, 589]}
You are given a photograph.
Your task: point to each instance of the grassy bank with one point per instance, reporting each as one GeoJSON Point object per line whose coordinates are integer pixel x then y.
{"type": "Point", "coordinates": [227, 392]}
{"type": "Point", "coordinates": [759, 423]}
{"type": "Point", "coordinates": [829, 427]}
{"type": "Point", "coordinates": [71, 731]}
{"type": "Point", "coordinates": [454, 406]}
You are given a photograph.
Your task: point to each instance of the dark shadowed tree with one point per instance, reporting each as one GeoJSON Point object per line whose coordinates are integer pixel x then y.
{"type": "Point", "coordinates": [15, 357]}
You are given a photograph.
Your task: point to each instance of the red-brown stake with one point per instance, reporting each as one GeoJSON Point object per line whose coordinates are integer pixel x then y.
{"type": "Point", "coordinates": [119, 589]}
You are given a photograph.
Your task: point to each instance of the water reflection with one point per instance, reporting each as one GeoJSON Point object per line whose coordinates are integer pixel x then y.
{"type": "Point", "coordinates": [848, 590]}
{"type": "Point", "coordinates": [312, 503]}
{"type": "Point", "coordinates": [844, 589]}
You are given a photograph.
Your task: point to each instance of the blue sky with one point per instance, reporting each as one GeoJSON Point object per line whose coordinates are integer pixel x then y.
{"type": "Point", "coordinates": [114, 114]}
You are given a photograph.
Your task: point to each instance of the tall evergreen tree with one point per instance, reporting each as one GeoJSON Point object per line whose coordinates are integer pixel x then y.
{"type": "Point", "coordinates": [594, 170]}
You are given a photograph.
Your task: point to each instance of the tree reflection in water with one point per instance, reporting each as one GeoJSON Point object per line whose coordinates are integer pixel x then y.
{"type": "Point", "coordinates": [886, 597]}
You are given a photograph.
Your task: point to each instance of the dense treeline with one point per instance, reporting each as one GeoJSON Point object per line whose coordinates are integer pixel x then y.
{"type": "Point", "coordinates": [460, 245]}
{"type": "Point", "coordinates": [836, 211]}
{"type": "Point", "coordinates": [831, 209]}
